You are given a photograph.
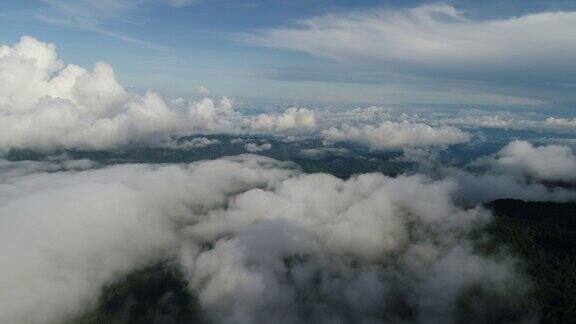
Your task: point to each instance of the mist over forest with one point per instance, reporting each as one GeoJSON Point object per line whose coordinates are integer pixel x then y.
{"type": "Point", "coordinates": [123, 205]}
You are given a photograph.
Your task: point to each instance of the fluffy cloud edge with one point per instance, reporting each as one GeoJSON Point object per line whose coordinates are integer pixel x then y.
{"type": "Point", "coordinates": [390, 135]}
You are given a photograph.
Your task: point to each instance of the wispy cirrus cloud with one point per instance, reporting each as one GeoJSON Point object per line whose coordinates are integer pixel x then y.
{"type": "Point", "coordinates": [430, 34]}
{"type": "Point", "coordinates": [95, 15]}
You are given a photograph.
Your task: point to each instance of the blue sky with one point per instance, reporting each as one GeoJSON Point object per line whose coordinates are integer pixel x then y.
{"type": "Point", "coordinates": [456, 53]}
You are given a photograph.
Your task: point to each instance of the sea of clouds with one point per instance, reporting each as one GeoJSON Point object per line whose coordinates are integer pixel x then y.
{"type": "Point", "coordinates": [258, 239]}
{"type": "Point", "coordinates": [283, 246]}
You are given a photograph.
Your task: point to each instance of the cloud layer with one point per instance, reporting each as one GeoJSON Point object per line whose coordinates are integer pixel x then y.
{"type": "Point", "coordinates": [258, 240]}
{"type": "Point", "coordinates": [434, 53]}
{"type": "Point", "coordinates": [431, 34]}
{"type": "Point", "coordinates": [397, 135]}
{"type": "Point", "coordinates": [547, 163]}
{"type": "Point", "coordinates": [45, 104]}
{"type": "Point", "coordinates": [291, 119]}
{"type": "Point", "coordinates": [519, 170]}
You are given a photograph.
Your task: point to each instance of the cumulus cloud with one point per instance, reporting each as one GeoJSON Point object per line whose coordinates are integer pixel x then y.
{"type": "Point", "coordinates": [562, 122]}
{"type": "Point", "coordinates": [493, 121]}
{"type": "Point", "coordinates": [45, 104]}
{"type": "Point", "coordinates": [505, 119]}
{"type": "Point", "coordinates": [190, 143]}
{"type": "Point", "coordinates": [547, 163]}
{"type": "Point", "coordinates": [390, 135]}
{"type": "Point", "coordinates": [258, 240]}
{"type": "Point", "coordinates": [322, 152]}
{"type": "Point", "coordinates": [520, 170]}
{"type": "Point", "coordinates": [292, 119]}
{"type": "Point", "coordinates": [253, 147]}
{"type": "Point", "coordinates": [488, 186]}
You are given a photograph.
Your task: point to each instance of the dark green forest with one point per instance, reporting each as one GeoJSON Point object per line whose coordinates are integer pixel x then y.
{"type": "Point", "coordinates": [543, 236]}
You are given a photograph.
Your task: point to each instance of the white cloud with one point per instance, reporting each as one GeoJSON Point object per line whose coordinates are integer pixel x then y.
{"type": "Point", "coordinates": [192, 143]}
{"type": "Point", "coordinates": [495, 121]}
{"type": "Point", "coordinates": [434, 34]}
{"type": "Point", "coordinates": [292, 119]}
{"type": "Point", "coordinates": [64, 235]}
{"type": "Point", "coordinates": [505, 119]}
{"type": "Point", "coordinates": [396, 135]}
{"type": "Point", "coordinates": [518, 171]}
{"type": "Point", "coordinates": [489, 186]}
{"type": "Point", "coordinates": [322, 152]}
{"type": "Point", "coordinates": [548, 163]}
{"type": "Point", "coordinates": [10, 171]}
{"type": "Point", "coordinates": [562, 122]}
{"type": "Point", "coordinates": [254, 148]}
{"type": "Point", "coordinates": [45, 104]}
{"type": "Point", "coordinates": [258, 240]}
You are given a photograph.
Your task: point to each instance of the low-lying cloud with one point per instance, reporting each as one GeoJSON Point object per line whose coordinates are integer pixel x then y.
{"type": "Point", "coordinates": [291, 119]}
{"type": "Point", "coordinates": [254, 147]}
{"type": "Point", "coordinates": [258, 240]}
{"type": "Point", "coordinates": [548, 163]}
{"type": "Point", "coordinates": [519, 170]}
{"type": "Point", "coordinates": [397, 135]}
